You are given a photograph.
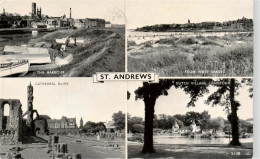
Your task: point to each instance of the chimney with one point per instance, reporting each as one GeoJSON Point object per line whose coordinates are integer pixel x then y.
{"type": "Point", "coordinates": [70, 13]}
{"type": "Point", "coordinates": [3, 11]}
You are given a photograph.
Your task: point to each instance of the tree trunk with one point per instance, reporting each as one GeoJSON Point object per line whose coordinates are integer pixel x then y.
{"type": "Point", "coordinates": [148, 129]}
{"type": "Point", "coordinates": [233, 117]}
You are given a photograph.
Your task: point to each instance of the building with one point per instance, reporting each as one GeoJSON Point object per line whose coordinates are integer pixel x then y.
{"type": "Point", "coordinates": [63, 123]}
{"type": "Point", "coordinates": [39, 25]}
{"type": "Point", "coordinates": [175, 127]}
{"type": "Point", "coordinates": [194, 128]}
{"type": "Point", "coordinates": [78, 23]}
{"type": "Point", "coordinates": [110, 126]}
{"type": "Point", "coordinates": [108, 25]}
{"type": "Point", "coordinates": [51, 23]}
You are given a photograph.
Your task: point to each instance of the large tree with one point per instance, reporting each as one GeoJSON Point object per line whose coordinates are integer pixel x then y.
{"type": "Point", "coordinates": [149, 93]}
{"type": "Point", "coordinates": [225, 95]}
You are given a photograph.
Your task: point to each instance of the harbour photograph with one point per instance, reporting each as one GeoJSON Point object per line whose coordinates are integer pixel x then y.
{"type": "Point", "coordinates": [190, 38]}
{"type": "Point", "coordinates": [190, 118]}
{"type": "Point", "coordinates": [61, 38]}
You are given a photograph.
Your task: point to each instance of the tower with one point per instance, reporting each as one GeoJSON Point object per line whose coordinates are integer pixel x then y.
{"type": "Point", "coordinates": [81, 123]}
{"type": "Point", "coordinates": [33, 9]}
{"type": "Point", "coordinates": [70, 13]}
{"type": "Point", "coordinates": [29, 121]}
{"type": "Point", "coordinates": [39, 12]}
{"type": "Point", "coordinates": [188, 21]}
{"type": "Point", "coordinates": [3, 11]}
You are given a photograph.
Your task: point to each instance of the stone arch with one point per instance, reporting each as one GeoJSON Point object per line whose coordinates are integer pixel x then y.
{"type": "Point", "coordinates": [37, 115]}
{"type": "Point", "coordinates": [5, 117]}
{"type": "Point", "coordinates": [37, 130]}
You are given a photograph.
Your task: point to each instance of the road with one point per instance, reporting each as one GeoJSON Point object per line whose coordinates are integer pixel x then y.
{"type": "Point", "coordinates": [88, 149]}
{"type": "Point", "coordinates": [92, 149]}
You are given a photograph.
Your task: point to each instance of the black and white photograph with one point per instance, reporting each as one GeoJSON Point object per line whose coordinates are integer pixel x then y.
{"type": "Point", "coordinates": [190, 38]}
{"type": "Point", "coordinates": [191, 118]}
{"type": "Point", "coordinates": [64, 38]}
{"type": "Point", "coordinates": [62, 119]}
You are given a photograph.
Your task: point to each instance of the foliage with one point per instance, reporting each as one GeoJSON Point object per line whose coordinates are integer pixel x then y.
{"type": "Point", "coordinates": [119, 120]}
{"type": "Point", "coordinates": [138, 128]}
{"type": "Point", "coordinates": [92, 127]}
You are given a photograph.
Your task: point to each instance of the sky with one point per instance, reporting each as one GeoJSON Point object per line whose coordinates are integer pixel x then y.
{"type": "Point", "coordinates": [80, 98]}
{"type": "Point", "coordinates": [176, 102]}
{"type": "Point", "coordinates": [149, 12]}
{"type": "Point", "coordinates": [110, 10]}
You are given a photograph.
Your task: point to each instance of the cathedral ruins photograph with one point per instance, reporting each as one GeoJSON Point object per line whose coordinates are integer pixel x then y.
{"type": "Point", "coordinates": [70, 119]}
{"type": "Point", "coordinates": [61, 39]}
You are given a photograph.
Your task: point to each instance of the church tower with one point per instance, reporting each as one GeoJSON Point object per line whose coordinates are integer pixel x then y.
{"type": "Point", "coordinates": [81, 123]}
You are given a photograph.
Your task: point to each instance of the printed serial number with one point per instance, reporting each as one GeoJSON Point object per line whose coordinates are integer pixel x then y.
{"type": "Point", "coordinates": [235, 153]}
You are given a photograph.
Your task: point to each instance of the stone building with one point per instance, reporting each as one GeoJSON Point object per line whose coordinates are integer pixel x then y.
{"type": "Point", "coordinates": [11, 126]}
{"type": "Point", "coordinates": [63, 123]}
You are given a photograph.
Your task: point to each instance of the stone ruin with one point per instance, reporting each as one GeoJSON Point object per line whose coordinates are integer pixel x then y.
{"type": "Point", "coordinates": [11, 126]}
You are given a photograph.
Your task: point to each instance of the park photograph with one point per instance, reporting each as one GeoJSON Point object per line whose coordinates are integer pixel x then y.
{"type": "Point", "coordinates": [190, 118]}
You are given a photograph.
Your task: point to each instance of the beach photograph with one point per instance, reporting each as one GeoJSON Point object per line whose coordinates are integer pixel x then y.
{"type": "Point", "coordinates": [190, 38]}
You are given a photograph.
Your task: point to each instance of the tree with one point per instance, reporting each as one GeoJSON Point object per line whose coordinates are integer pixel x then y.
{"type": "Point", "coordinates": [119, 120]}
{"type": "Point", "coordinates": [149, 93]}
{"type": "Point", "coordinates": [138, 128]}
{"type": "Point", "coordinates": [216, 124]}
{"type": "Point", "coordinates": [132, 121]}
{"type": "Point", "coordinates": [205, 119]}
{"type": "Point", "coordinates": [228, 92]}
{"type": "Point", "coordinates": [192, 116]}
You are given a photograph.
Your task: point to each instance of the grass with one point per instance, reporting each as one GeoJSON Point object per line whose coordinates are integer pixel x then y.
{"type": "Point", "coordinates": [170, 41]}
{"type": "Point", "coordinates": [105, 52]}
{"type": "Point", "coordinates": [221, 151]}
{"type": "Point", "coordinates": [208, 57]}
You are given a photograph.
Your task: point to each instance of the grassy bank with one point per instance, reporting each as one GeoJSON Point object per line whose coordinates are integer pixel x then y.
{"type": "Point", "coordinates": [230, 55]}
{"type": "Point", "coordinates": [104, 52]}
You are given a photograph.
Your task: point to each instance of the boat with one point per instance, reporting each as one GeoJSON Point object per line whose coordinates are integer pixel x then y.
{"type": "Point", "coordinates": [60, 62]}
{"type": "Point", "coordinates": [14, 68]}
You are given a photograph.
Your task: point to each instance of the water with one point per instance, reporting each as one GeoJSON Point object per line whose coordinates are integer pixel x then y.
{"type": "Point", "coordinates": [141, 37]}
{"type": "Point", "coordinates": [187, 140]}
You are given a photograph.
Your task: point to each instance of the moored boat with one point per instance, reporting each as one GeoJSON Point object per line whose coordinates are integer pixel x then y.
{"type": "Point", "coordinates": [14, 68]}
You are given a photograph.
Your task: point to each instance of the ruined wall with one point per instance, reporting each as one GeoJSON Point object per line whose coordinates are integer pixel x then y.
{"type": "Point", "coordinates": [12, 134]}
{"type": "Point", "coordinates": [40, 126]}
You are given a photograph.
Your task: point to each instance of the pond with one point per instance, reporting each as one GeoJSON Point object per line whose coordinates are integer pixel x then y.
{"type": "Point", "coordinates": [187, 140]}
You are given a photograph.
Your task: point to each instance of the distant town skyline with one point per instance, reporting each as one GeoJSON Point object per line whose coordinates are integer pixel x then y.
{"type": "Point", "coordinates": [176, 103]}
{"type": "Point", "coordinates": [141, 13]}
{"type": "Point", "coordinates": [81, 98]}
{"type": "Point", "coordinates": [110, 10]}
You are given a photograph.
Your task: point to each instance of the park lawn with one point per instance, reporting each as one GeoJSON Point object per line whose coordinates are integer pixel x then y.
{"type": "Point", "coordinates": [192, 151]}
